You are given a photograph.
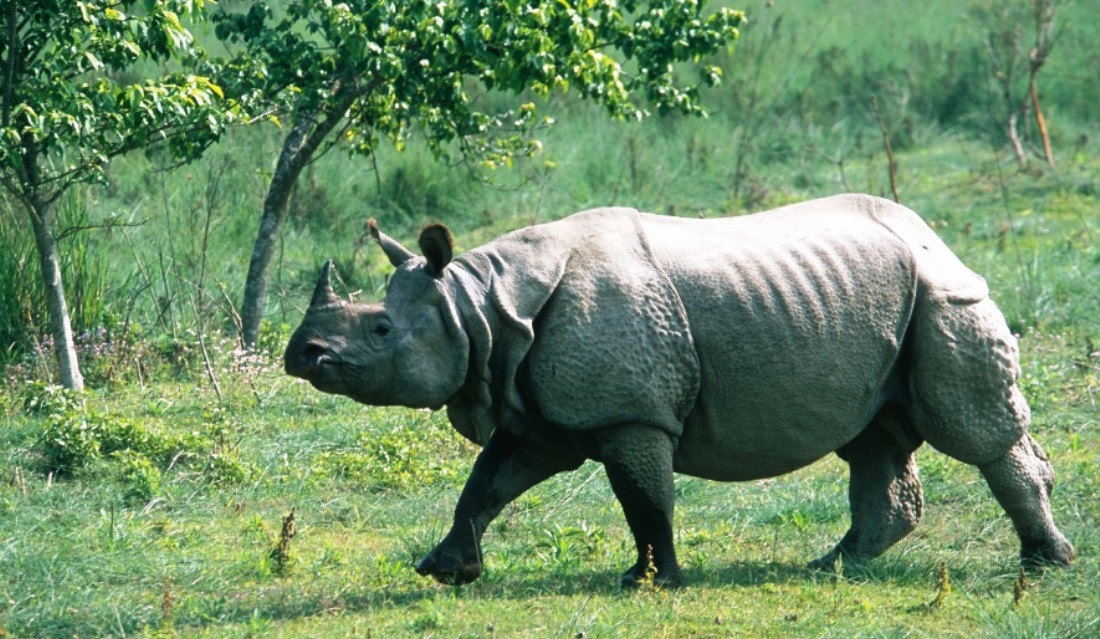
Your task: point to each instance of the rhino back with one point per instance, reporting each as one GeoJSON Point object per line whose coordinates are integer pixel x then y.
{"type": "Point", "coordinates": [797, 316]}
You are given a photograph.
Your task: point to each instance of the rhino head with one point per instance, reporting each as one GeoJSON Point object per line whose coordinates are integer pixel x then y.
{"type": "Point", "coordinates": [408, 350]}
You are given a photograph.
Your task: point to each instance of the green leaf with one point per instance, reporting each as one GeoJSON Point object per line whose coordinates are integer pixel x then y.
{"type": "Point", "coordinates": [93, 60]}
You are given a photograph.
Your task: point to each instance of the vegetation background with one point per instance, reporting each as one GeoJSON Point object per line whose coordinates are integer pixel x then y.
{"type": "Point", "coordinates": [196, 491]}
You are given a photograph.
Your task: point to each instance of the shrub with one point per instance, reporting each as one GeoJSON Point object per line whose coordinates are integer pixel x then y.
{"type": "Point", "coordinates": [75, 436]}
{"type": "Point", "coordinates": [70, 441]}
{"type": "Point", "coordinates": [45, 399]}
{"type": "Point", "coordinates": [140, 477]}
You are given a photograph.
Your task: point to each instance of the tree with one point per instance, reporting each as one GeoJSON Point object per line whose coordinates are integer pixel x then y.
{"type": "Point", "coordinates": [65, 111]}
{"type": "Point", "coordinates": [363, 71]}
{"type": "Point", "coordinates": [1005, 40]}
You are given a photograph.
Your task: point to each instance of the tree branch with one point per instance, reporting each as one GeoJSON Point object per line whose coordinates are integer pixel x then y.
{"type": "Point", "coordinates": [9, 71]}
{"type": "Point", "coordinates": [892, 165]}
{"type": "Point", "coordinates": [73, 230]}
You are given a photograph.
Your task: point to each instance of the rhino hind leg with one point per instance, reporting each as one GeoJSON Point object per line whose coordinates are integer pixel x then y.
{"type": "Point", "coordinates": [1022, 480]}
{"type": "Point", "coordinates": [884, 491]}
{"type": "Point", "coordinates": [638, 463]}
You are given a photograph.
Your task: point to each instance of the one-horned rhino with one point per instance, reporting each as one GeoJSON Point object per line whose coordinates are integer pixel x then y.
{"type": "Point", "coordinates": [729, 349]}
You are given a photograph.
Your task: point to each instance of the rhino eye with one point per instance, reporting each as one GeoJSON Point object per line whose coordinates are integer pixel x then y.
{"type": "Point", "coordinates": [382, 330]}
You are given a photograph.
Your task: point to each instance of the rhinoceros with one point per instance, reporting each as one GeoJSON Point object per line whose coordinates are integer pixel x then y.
{"type": "Point", "coordinates": [729, 349]}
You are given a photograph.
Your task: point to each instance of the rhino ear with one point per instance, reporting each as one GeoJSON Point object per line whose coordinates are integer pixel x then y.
{"type": "Point", "coordinates": [323, 293]}
{"type": "Point", "coordinates": [437, 245]}
{"type": "Point", "coordinates": [396, 253]}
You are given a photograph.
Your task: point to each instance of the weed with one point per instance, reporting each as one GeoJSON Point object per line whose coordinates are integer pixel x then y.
{"type": "Point", "coordinates": [570, 544]}
{"type": "Point", "coordinates": [943, 586]}
{"type": "Point", "coordinates": [167, 604]}
{"type": "Point", "coordinates": [47, 399]}
{"type": "Point", "coordinates": [70, 441]}
{"type": "Point", "coordinates": [648, 581]}
{"type": "Point", "coordinates": [280, 552]}
{"type": "Point", "coordinates": [74, 435]}
{"type": "Point", "coordinates": [257, 626]}
{"type": "Point", "coordinates": [429, 619]}
{"type": "Point", "coordinates": [1019, 587]}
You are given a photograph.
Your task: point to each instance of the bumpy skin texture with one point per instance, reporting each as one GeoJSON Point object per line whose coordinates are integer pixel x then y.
{"type": "Point", "coordinates": [727, 349]}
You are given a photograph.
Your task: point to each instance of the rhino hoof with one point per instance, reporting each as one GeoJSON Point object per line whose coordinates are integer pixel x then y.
{"type": "Point", "coordinates": [826, 562]}
{"type": "Point", "coordinates": [448, 569]}
{"type": "Point", "coordinates": [1036, 556]}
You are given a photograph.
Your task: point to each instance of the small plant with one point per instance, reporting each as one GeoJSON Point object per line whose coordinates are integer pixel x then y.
{"type": "Point", "coordinates": [1019, 588]}
{"type": "Point", "coordinates": [943, 589]}
{"type": "Point", "coordinates": [648, 581]}
{"type": "Point", "coordinates": [221, 448]}
{"type": "Point", "coordinates": [429, 619]}
{"type": "Point", "coordinates": [943, 586]}
{"type": "Point", "coordinates": [76, 435]}
{"type": "Point", "coordinates": [45, 399]}
{"type": "Point", "coordinates": [257, 625]}
{"type": "Point", "coordinates": [70, 441]}
{"type": "Point", "coordinates": [280, 552]}
{"type": "Point", "coordinates": [417, 453]}
{"type": "Point", "coordinates": [167, 604]}
{"type": "Point", "coordinates": [569, 544]}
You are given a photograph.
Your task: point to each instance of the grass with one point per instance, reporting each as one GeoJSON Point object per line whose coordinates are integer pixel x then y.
{"type": "Point", "coordinates": [84, 563]}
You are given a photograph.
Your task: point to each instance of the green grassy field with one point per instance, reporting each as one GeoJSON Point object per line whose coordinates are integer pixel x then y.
{"type": "Point", "coordinates": [154, 504]}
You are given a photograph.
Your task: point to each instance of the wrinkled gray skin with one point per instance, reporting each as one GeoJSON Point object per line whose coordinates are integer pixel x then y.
{"type": "Point", "coordinates": [729, 349]}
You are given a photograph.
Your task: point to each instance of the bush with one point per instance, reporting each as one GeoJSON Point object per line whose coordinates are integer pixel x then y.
{"type": "Point", "coordinates": [74, 436]}
{"type": "Point", "coordinates": [141, 478]}
{"type": "Point", "coordinates": [70, 441]}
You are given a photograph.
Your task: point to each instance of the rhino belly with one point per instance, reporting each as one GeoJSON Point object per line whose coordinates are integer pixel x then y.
{"type": "Point", "coordinates": [758, 437]}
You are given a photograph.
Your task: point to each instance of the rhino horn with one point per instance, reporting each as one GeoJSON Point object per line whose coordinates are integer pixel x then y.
{"type": "Point", "coordinates": [323, 293]}
{"type": "Point", "coordinates": [396, 253]}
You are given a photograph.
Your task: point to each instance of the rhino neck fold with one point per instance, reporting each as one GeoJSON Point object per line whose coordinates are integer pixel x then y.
{"type": "Point", "coordinates": [591, 280]}
{"type": "Point", "coordinates": [498, 290]}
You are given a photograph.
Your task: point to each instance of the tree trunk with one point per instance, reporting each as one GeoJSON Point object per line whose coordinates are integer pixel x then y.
{"type": "Point", "coordinates": [276, 206]}
{"type": "Point", "coordinates": [305, 136]}
{"type": "Point", "coordinates": [1042, 122]}
{"type": "Point", "coordinates": [1014, 139]}
{"type": "Point", "coordinates": [60, 327]}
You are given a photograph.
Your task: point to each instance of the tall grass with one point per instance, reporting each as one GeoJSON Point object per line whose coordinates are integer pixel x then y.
{"type": "Point", "coordinates": [90, 291]}
{"type": "Point", "coordinates": [20, 293]}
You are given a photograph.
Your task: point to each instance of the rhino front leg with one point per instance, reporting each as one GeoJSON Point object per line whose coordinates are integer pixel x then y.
{"type": "Point", "coordinates": [638, 462]}
{"type": "Point", "coordinates": [1022, 480]}
{"type": "Point", "coordinates": [504, 470]}
{"type": "Point", "coordinates": [884, 490]}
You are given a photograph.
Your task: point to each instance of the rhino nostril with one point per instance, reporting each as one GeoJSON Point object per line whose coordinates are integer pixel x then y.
{"type": "Point", "coordinates": [313, 354]}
